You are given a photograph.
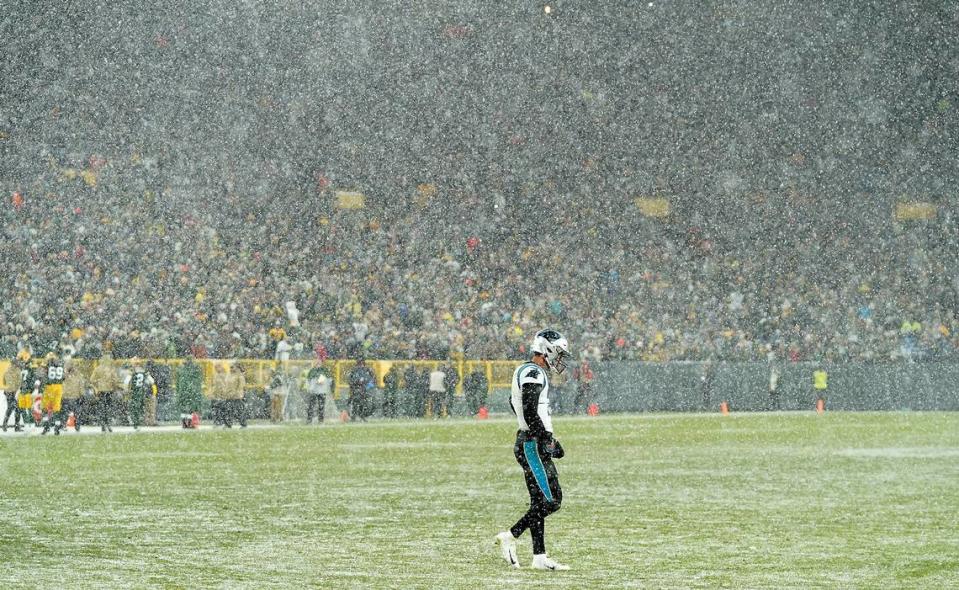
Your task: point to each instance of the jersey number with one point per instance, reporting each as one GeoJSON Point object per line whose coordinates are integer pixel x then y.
{"type": "Point", "coordinates": [54, 373]}
{"type": "Point", "coordinates": [138, 380]}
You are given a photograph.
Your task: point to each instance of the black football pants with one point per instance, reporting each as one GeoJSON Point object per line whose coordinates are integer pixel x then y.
{"type": "Point", "coordinates": [545, 493]}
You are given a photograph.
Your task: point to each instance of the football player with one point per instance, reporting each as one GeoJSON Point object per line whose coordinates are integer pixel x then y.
{"type": "Point", "coordinates": [139, 382]}
{"type": "Point", "coordinates": [536, 447]}
{"type": "Point", "coordinates": [52, 401]}
{"type": "Point", "coordinates": [28, 384]}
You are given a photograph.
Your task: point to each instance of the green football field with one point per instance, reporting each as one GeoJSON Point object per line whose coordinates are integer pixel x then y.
{"type": "Point", "coordinates": [843, 500]}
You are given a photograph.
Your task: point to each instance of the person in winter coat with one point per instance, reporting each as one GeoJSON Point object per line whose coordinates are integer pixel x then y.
{"type": "Point", "coordinates": [411, 380]}
{"type": "Point", "coordinates": [233, 391]}
{"type": "Point", "coordinates": [361, 382]}
{"type": "Point", "coordinates": [318, 387]}
{"type": "Point", "coordinates": [422, 392]}
{"type": "Point", "coordinates": [583, 375]}
{"type": "Point", "coordinates": [391, 390]}
{"type": "Point", "coordinates": [217, 394]}
{"type": "Point", "coordinates": [476, 390]}
{"type": "Point", "coordinates": [11, 387]}
{"type": "Point", "coordinates": [106, 384]}
{"type": "Point", "coordinates": [278, 389]}
{"type": "Point", "coordinates": [449, 383]}
{"type": "Point", "coordinates": [189, 396]}
{"type": "Point", "coordinates": [78, 397]}
{"type": "Point", "coordinates": [437, 391]}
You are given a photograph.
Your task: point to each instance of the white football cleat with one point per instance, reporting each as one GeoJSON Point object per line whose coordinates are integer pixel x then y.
{"type": "Point", "coordinates": [507, 546]}
{"type": "Point", "coordinates": [542, 562]}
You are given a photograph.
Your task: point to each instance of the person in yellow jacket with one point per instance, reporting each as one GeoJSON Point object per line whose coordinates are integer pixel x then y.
{"type": "Point", "coordinates": [234, 386]}
{"type": "Point", "coordinates": [106, 384]}
{"type": "Point", "coordinates": [74, 391]}
{"type": "Point", "coordinates": [820, 384]}
{"type": "Point", "coordinates": [278, 388]}
{"type": "Point", "coordinates": [217, 392]}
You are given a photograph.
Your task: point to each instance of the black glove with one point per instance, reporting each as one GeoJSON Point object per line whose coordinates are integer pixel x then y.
{"type": "Point", "coordinates": [552, 448]}
{"type": "Point", "coordinates": [558, 452]}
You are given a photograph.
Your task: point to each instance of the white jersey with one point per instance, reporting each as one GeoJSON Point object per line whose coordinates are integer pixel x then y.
{"type": "Point", "coordinates": [530, 373]}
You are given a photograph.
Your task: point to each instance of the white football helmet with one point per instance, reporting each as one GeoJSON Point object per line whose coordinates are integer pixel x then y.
{"type": "Point", "coordinates": [554, 348]}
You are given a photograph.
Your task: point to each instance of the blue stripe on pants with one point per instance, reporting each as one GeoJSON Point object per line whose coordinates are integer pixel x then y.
{"type": "Point", "coordinates": [536, 465]}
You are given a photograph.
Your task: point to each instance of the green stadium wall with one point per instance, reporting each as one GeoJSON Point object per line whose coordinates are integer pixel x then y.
{"type": "Point", "coordinates": [678, 387]}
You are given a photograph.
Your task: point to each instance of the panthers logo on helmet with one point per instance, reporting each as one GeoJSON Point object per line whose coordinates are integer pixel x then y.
{"type": "Point", "coordinates": [554, 348]}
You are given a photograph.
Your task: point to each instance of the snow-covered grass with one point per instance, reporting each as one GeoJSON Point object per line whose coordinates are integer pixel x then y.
{"type": "Point", "coordinates": [857, 500]}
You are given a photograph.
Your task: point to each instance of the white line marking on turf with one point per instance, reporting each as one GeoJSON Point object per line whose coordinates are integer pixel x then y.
{"type": "Point", "coordinates": [901, 453]}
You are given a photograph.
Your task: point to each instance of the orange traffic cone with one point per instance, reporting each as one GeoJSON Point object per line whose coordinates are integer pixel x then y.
{"type": "Point", "coordinates": [344, 416]}
{"type": "Point", "coordinates": [724, 408]}
{"type": "Point", "coordinates": [483, 413]}
{"type": "Point", "coordinates": [71, 421]}
{"type": "Point", "coordinates": [194, 420]}
{"type": "Point", "coordinates": [820, 406]}
{"type": "Point", "coordinates": [593, 409]}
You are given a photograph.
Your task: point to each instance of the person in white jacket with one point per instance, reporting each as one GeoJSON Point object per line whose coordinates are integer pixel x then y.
{"type": "Point", "coordinates": [437, 391]}
{"type": "Point", "coordinates": [318, 387]}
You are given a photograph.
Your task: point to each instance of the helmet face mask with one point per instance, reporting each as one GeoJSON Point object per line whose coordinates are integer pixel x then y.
{"type": "Point", "coordinates": [554, 348]}
{"type": "Point", "coordinates": [559, 363]}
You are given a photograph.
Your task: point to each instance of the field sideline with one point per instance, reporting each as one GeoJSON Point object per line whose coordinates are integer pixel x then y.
{"type": "Point", "coordinates": [780, 500]}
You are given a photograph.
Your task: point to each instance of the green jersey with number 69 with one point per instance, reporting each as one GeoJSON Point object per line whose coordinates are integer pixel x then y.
{"type": "Point", "coordinates": [54, 373]}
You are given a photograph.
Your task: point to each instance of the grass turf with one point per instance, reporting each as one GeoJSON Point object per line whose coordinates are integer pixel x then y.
{"type": "Point", "coordinates": [844, 500]}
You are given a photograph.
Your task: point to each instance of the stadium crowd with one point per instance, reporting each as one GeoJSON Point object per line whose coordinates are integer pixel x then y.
{"type": "Point", "coordinates": [92, 265]}
{"type": "Point", "coordinates": [169, 210]}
